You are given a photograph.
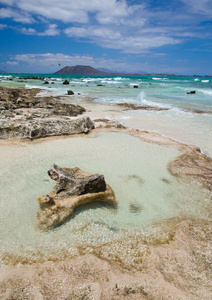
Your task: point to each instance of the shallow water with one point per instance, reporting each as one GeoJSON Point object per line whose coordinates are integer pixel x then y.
{"type": "Point", "coordinates": [149, 198]}
{"type": "Point", "coordinates": [137, 171]}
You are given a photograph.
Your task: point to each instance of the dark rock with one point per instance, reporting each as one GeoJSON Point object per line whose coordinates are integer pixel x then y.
{"type": "Point", "coordinates": [100, 85]}
{"type": "Point", "coordinates": [135, 86]}
{"type": "Point", "coordinates": [46, 82]}
{"type": "Point", "coordinates": [69, 180]}
{"type": "Point", "coordinates": [191, 92]}
{"type": "Point", "coordinates": [70, 92]}
{"type": "Point", "coordinates": [66, 82]}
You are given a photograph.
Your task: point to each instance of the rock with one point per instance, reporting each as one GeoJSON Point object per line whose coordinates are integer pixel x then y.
{"type": "Point", "coordinates": [70, 92]}
{"type": "Point", "coordinates": [43, 127]}
{"type": "Point", "coordinates": [191, 92]}
{"type": "Point", "coordinates": [66, 82]}
{"type": "Point", "coordinates": [129, 106]}
{"type": "Point", "coordinates": [38, 117]}
{"type": "Point", "coordinates": [135, 86]}
{"type": "Point", "coordinates": [46, 82]}
{"type": "Point", "coordinates": [74, 188]}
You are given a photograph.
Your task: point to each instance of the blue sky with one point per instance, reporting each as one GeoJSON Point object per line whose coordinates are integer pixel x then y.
{"type": "Point", "coordinates": [154, 36]}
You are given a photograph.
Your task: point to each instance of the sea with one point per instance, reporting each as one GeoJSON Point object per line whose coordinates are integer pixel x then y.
{"type": "Point", "coordinates": [188, 117]}
{"type": "Point", "coordinates": [150, 200]}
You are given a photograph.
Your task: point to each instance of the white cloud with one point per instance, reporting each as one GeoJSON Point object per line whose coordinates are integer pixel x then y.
{"type": "Point", "coordinates": [93, 32]}
{"type": "Point", "coordinates": [138, 43]}
{"type": "Point", "coordinates": [12, 63]}
{"type": "Point", "coordinates": [72, 10]}
{"type": "Point", "coordinates": [29, 31]}
{"type": "Point", "coordinates": [47, 61]}
{"type": "Point", "coordinates": [2, 26]}
{"type": "Point", "coordinates": [51, 31]}
{"type": "Point", "coordinates": [197, 6]}
{"type": "Point", "coordinates": [114, 24]}
{"type": "Point", "coordinates": [17, 16]}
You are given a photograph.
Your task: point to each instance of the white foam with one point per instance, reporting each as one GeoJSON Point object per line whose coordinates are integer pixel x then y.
{"type": "Point", "coordinates": [27, 86]}
{"type": "Point", "coordinates": [145, 102]}
{"type": "Point", "coordinates": [205, 80]}
{"type": "Point", "coordinates": [207, 92]}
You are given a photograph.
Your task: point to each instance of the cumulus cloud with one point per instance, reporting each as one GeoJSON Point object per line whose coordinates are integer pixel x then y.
{"type": "Point", "coordinates": [71, 10]}
{"type": "Point", "coordinates": [51, 31]}
{"type": "Point", "coordinates": [12, 63]}
{"type": "Point", "coordinates": [116, 24]}
{"type": "Point", "coordinates": [107, 38]}
{"type": "Point", "coordinates": [47, 60]}
{"type": "Point", "coordinates": [17, 16]}
{"type": "Point", "coordinates": [29, 31]}
{"type": "Point", "coordinates": [92, 32]}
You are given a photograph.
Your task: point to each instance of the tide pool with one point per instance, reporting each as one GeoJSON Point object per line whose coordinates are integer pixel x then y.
{"type": "Point", "coordinates": [147, 195]}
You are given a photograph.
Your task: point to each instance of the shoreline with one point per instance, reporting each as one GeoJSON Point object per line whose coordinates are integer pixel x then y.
{"type": "Point", "coordinates": [176, 268]}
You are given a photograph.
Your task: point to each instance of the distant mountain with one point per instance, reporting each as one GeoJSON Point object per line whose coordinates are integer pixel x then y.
{"type": "Point", "coordinates": [87, 70]}
{"type": "Point", "coordinates": [80, 70]}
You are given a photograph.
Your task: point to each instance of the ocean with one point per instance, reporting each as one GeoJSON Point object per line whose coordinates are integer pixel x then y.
{"type": "Point", "coordinates": [150, 200]}
{"type": "Point", "coordinates": [187, 118]}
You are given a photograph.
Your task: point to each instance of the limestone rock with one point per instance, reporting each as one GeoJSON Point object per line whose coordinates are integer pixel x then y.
{"type": "Point", "coordinates": [23, 114]}
{"type": "Point", "coordinates": [74, 188]}
{"type": "Point", "coordinates": [43, 127]}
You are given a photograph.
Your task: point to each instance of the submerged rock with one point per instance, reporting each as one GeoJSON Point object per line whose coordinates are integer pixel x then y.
{"type": "Point", "coordinates": [74, 188]}
{"type": "Point", "coordinates": [70, 92]}
{"type": "Point", "coordinates": [191, 92]}
{"type": "Point", "coordinates": [66, 82]}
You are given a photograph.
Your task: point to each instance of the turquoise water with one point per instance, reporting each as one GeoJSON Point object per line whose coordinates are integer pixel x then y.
{"type": "Point", "coordinates": [161, 91]}
{"type": "Point", "coordinates": [180, 121]}
{"type": "Point", "coordinates": [146, 193]}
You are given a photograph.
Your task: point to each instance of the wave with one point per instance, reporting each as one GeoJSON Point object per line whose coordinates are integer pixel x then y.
{"type": "Point", "coordinates": [29, 86]}
{"type": "Point", "coordinates": [205, 80]}
{"type": "Point", "coordinates": [207, 92]}
{"type": "Point", "coordinates": [145, 102]}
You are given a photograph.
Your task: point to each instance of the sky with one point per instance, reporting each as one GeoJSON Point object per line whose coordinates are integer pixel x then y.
{"type": "Point", "coordinates": [150, 36]}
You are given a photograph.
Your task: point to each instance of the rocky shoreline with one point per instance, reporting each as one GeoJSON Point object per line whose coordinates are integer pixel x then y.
{"type": "Point", "coordinates": [24, 114]}
{"type": "Point", "coordinates": [177, 268]}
